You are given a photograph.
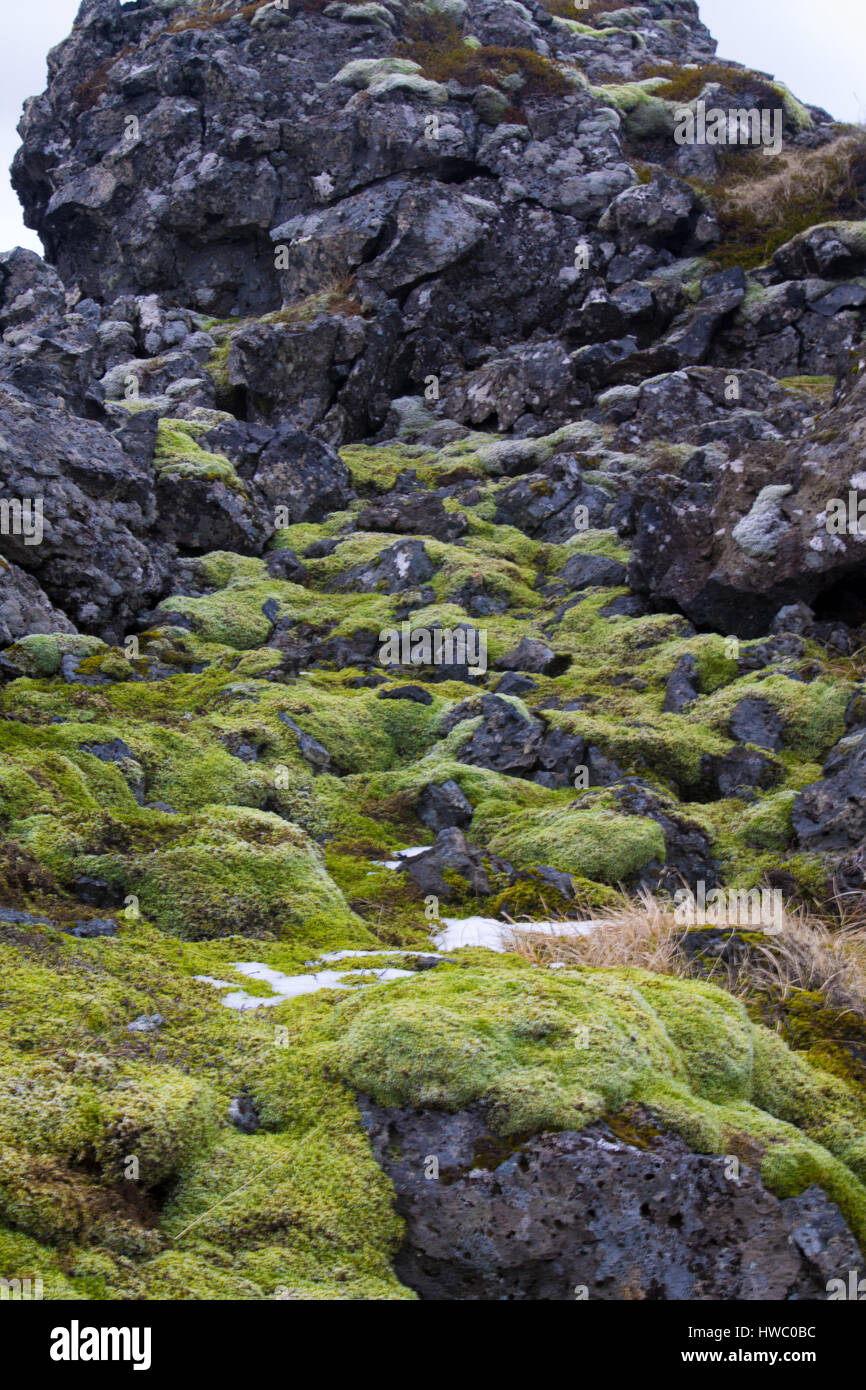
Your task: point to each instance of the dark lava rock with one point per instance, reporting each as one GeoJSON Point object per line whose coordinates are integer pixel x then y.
{"type": "Point", "coordinates": [442, 805]}
{"type": "Point", "coordinates": [418, 514]}
{"type": "Point", "coordinates": [284, 564]}
{"type": "Point", "coordinates": [404, 565]}
{"type": "Point", "coordinates": [740, 772]}
{"type": "Point", "coordinates": [416, 693]}
{"type": "Point", "coordinates": [96, 926]}
{"type": "Point", "coordinates": [506, 740]}
{"type": "Point", "coordinates": [533, 655]}
{"type": "Point", "coordinates": [243, 1113]}
{"type": "Point", "coordinates": [831, 814]}
{"type": "Point", "coordinates": [514, 683]}
{"type": "Point", "coordinates": [96, 892]}
{"type": "Point", "coordinates": [147, 1023]}
{"type": "Point", "coordinates": [756, 721]}
{"type": "Point", "coordinates": [596, 571]}
{"type": "Point", "coordinates": [681, 689]}
{"type": "Point", "coordinates": [590, 1215]}
{"type": "Point", "coordinates": [688, 848]}
{"type": "Point", "coordinates": [452, 852]}
{"type": "Point", "coordinates": [315, 754]}
{"type": "Point", "coordinates": [13, 918]}
{"type": "Point", "coordinates": [24, 608]}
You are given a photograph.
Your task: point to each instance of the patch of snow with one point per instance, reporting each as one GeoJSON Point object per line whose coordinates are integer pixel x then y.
{"type": "Point", "coordinates": [499, 936]}
{"type": "Point", "coordinates": [401, 854]}
{"type": "Point", "coordinates": [293, 986]}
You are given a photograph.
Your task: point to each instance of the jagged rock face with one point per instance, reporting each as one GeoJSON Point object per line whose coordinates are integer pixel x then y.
{"type": "Point", "coordinates": [590, 1215]}
{"type": "Point", "coordinates": [731, 544]}
{"type": "Point", "coordinates": [831, 814]}
{"type": "Point", "coordinates": [247, 126]}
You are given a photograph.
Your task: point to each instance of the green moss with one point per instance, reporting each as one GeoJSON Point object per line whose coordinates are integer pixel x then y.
{"type": "Point", "coordinates": [244, 871]}
{"type": "Point", "coordinates": [265, 855]}
{"type": "Point", "coordinates": [41, 653]}
{"type": "Point", "coordinates": [299, 1210]}
{"type": "Point", "coordinates": [768, 825]}
{"type": "Point", "coordinates": [647, 115]}
{"type": "Point", "coordinates": [812, 713]}
{"type": "Point", "coordinates": [821, 386]}
{"type": "Point", "coordinates": [547, 1053]}
{"type": "Point", "coordinates": [597, 845]}
{"type": "Point", "coordinates": [179, 455]}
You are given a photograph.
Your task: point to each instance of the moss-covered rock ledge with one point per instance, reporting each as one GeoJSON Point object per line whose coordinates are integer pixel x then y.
{"type": "Point", "coordinates": [299, 1208]}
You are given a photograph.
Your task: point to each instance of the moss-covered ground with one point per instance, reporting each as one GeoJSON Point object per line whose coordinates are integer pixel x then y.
{"type": "Point", "coordinates": [170, 773]}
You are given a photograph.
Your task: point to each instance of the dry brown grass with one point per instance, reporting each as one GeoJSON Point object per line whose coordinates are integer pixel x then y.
{"type": "Point", "coordinates": [642, 933]}
{"type": "Point", "coordinates": [436, 42]}
{"type": "Point", "coordinates": [828, 172]}
{"type": "Point", "coordinates": [807, 954]}
{"type": "Point", "coordinates": [759, 211]}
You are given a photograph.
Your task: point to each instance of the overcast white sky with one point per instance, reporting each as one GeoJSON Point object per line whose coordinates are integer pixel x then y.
{"type": "Point", "coordinates": [818, 49]}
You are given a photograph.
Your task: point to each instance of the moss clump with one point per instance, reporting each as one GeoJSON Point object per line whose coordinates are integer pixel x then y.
{"type": "Point", "coordinates": [435, 41]}
{"type": "Point", "coordinates": [647, 115]}
{"type": "Point", "coordinates": [812, 714]}
{"type": "Point", "coordinates": [558, 1053]}
{"type": "Point", "coordinates": [298, 1210]}
{"type": "Point", "coordinates": [178, 455]}
{"type": "Point", "coordinates": [40, 654]}
{"type": "Point", "coordinates": [243, 871]}
{"type": "Point", "coordinates": [832, 1034]}
{"type": "Point", "coordinates": [821, 386]}
{"type": "Point", "coordinates": [597, 845]}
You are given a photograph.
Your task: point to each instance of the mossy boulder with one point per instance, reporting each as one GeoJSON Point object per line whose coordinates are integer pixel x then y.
{"type": "Point", "coordinates": [549, 1054]}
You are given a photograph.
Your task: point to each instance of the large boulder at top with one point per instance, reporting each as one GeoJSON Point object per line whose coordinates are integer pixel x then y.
{"type": "Point", "coordinates": [178, 147]}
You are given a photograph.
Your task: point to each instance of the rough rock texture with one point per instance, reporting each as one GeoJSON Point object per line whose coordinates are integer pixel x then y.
{"type": "Point", "coordinates": [735, 541]}
{"type": "Point", "coordinates": [590, 1215]}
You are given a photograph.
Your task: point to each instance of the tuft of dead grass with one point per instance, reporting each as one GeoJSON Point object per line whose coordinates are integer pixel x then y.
{"type": "Point", "coordinates": [807, 954]}
{"type": "Point", "coordinates": [642, 933]}
{"type": "Point", "coordinates": [586, 13]}
{"type": "Point", "coordinates": [685, 84]}
{"type": "Point", "coordinates": [760, 209]}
